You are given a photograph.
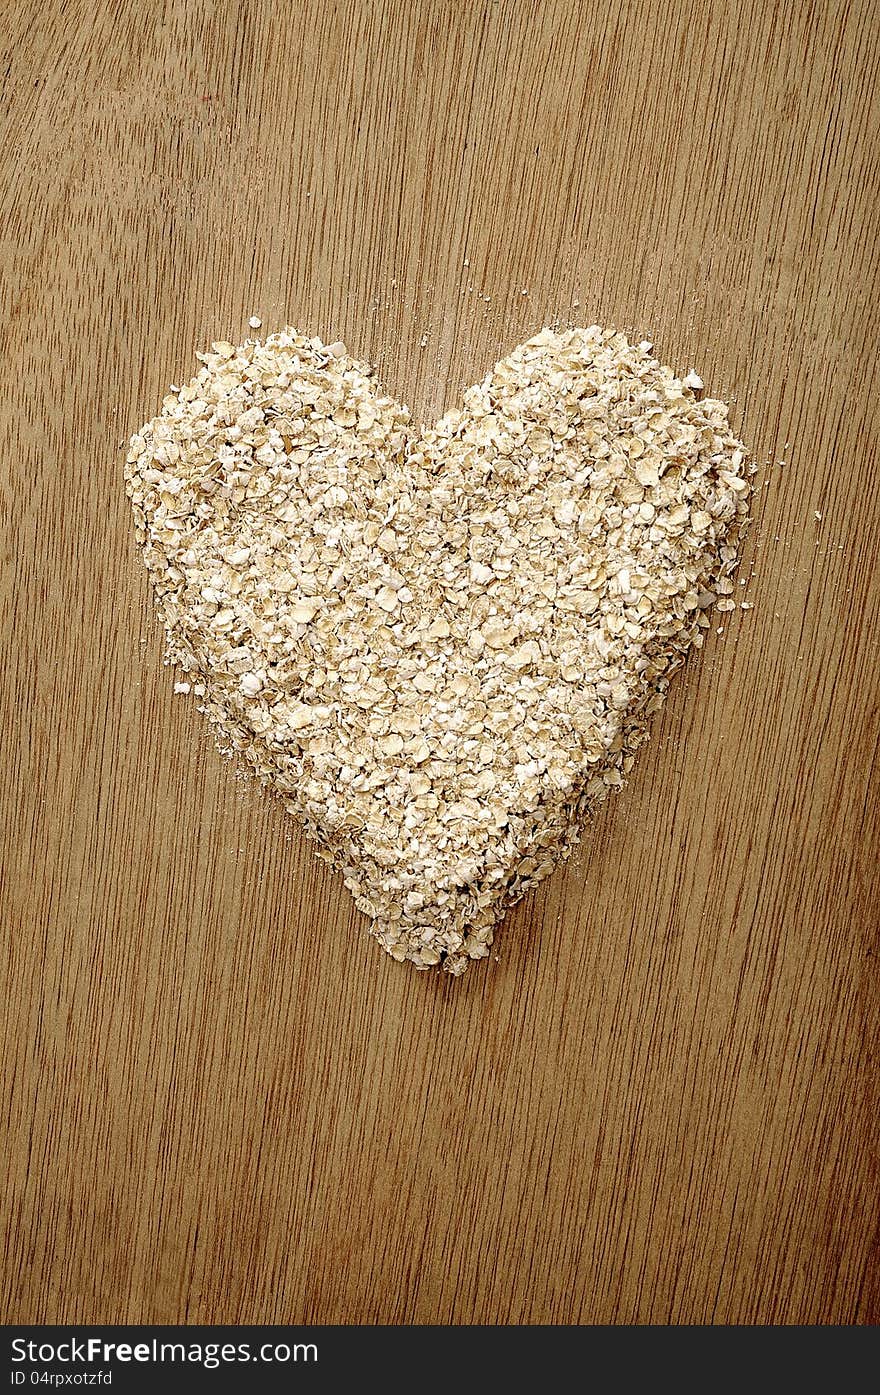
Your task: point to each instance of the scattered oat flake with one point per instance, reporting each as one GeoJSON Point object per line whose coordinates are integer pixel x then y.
{"type": "Point", "coordinates": [442, 649]}
{"type": "Point", "coordinates": [255, 322]}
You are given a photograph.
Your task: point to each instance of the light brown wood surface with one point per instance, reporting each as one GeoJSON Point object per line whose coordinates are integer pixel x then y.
{"type": "Point", "coordinates": [223, 1102]}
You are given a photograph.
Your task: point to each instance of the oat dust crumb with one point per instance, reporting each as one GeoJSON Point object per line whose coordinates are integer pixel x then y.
{"type": "Point", "coordinates": [441, 648]}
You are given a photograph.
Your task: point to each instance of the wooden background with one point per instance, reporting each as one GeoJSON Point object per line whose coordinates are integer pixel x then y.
{"type": "Point", "coordinates": [223, 1102]}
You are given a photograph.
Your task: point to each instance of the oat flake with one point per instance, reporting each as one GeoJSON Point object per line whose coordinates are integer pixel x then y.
{"type": "Point", "coordinates": [440, 648]}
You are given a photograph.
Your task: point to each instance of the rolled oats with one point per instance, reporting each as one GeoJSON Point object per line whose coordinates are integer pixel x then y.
{"type": "Point", "coordinates": [440, 649]}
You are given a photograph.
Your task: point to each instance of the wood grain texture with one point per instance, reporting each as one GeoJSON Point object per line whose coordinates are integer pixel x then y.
{"type": "Point", "coordinates": [223, 1103]}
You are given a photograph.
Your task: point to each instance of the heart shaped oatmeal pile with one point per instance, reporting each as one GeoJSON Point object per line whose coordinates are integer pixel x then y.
{"type": "Point", "coordinates": [441, 649]}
